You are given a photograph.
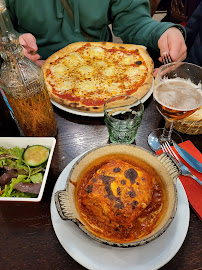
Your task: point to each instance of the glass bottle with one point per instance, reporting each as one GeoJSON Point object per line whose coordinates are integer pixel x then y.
{"type": "Point", "coordinates": [8, 125]}
{"type": "Point", "coordinates": [24, 85]}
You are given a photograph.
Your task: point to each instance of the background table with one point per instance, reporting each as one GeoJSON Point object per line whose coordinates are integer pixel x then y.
{"type": "Point", "coordinates": [27, 238]}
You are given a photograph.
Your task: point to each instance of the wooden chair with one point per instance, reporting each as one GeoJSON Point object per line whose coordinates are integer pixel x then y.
{"type": "Point", "coordinates": [181, 10]}
{"type": "Point", "coordinates": [153, 6]}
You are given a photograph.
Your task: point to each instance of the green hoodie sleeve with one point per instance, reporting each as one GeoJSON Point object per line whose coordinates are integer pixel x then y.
{"type": "Point", "coordinates": [133, 23]}
{"type": "Point", "coordinates": [54, 28]}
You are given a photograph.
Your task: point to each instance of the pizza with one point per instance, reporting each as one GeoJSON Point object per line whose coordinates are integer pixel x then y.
{"type": "Point", "coordinates": [83, 75]}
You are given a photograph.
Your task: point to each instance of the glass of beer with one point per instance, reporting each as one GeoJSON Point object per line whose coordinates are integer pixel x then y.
{"type": "Point", "coordinates": [177, 94]}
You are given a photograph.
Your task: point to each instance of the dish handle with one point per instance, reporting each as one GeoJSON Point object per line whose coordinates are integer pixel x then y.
{"type": "Point", "coordinates": [171, 165]}
{"type": "Point", "coordinates": [63, 205]}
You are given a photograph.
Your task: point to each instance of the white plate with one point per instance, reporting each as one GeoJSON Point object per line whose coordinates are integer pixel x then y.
{"type": "Point", "coordinates": [91, 114]}
{"type": "Point", "coordinates": [22, 142]}
{"type": "Point", "coordinates": [97, 256]}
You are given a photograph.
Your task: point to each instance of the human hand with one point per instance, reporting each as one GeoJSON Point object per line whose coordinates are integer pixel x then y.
{"type": "Point", "coordinates": [40, 62]}
{"type": "Point", "coordinates": [30, 48]}
{"type": "Point", "coordinates": [172, 42]}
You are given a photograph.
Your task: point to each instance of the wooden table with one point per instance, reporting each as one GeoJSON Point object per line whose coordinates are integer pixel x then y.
{"type": "Point", "coordinates": [27, 238]}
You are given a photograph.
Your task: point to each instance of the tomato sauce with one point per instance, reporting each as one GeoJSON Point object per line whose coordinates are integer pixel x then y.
{"type": "Point", "coordinates": [143, 225]}
{"type": "Point", "coordinates": [91, 100]}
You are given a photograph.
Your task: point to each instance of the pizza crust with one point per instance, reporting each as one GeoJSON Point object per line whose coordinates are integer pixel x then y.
{"type": "Point", "coordinates": [140, 93]}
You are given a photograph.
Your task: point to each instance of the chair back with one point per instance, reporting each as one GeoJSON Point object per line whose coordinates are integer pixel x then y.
{"type": "Point", "coordinates": [181, 10]}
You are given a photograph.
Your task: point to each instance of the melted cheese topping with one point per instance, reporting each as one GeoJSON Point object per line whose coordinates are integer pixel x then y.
{"type": "Point", "coordinates": [97, 73]}
{"type": "Point", "coordinates": [120, 201]}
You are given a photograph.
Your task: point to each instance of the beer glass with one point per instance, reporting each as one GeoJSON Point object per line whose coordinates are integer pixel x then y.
{"type": "Point", "coordinates": [177, 94]}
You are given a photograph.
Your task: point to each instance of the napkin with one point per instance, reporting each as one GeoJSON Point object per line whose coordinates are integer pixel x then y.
{"type": "Point", "coordinates": [192, 188]}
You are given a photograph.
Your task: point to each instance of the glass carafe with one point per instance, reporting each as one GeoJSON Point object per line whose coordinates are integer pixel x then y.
{"type": "Point", "coordinates": [24, 85]}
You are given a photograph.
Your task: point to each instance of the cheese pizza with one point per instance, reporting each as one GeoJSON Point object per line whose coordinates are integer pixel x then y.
{"type": "Point", "coordinates": [84, 75]}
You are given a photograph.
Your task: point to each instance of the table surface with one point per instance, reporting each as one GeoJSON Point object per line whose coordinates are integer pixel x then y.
{"type": "Point", "coordinates": [27, 238]}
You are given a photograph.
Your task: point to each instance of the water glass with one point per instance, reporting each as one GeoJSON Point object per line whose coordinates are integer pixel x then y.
{"type": "Point", "coordinates": [122, 116]}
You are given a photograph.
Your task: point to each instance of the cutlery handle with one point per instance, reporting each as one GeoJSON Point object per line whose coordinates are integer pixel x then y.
{"type": "Point", "coordinates": [188, 158]}
{"type": "Point", "coordinates": [195, 178]}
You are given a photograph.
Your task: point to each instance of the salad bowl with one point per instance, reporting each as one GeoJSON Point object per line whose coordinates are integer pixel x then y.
{"type": "Point", "coordinates": [19, 144]}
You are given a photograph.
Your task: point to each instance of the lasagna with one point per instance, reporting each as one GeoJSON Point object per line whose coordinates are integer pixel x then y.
{"type": "Point", "coordinates": [120, 201]}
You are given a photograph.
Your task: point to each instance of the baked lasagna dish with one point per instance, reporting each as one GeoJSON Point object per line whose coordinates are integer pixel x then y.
{"type": "Point", "coordinates": [120, 200]}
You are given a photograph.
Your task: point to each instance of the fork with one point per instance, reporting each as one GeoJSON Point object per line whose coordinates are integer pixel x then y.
{"type": "Point", "coordinates": [185, 171]}
{"type": "Point", "coordinates": [166, 58]}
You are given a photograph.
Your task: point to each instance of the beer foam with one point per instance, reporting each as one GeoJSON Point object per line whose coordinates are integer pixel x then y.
{"type": "Point", "coordinates": [179, 94]}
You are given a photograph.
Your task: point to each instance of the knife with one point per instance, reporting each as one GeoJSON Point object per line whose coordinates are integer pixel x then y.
{"type": "Point", "coordinates": [188, 158]}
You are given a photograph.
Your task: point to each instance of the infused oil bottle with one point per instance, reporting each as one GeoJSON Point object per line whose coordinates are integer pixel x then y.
{"type": "Point", "coordinates": [23, 84]}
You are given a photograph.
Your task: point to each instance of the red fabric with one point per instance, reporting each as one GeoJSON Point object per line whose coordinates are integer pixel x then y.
{"type": "Point", "coordinates": [192, 188]}
{"type": "Point", "coordinates": [183, 23]}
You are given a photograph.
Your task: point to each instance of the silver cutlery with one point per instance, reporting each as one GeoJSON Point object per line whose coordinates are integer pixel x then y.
{"type": "Point", "coordinates": [185, 171]}
{"type": "Point", "coordinates": [188, 158]}
{"type": "Point", "coordinates": [166, 58]}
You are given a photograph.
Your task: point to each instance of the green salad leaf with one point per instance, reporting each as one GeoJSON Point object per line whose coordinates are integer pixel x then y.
{"type": "Point", "coordinates": [36, 178]}
{"type": "Point", "coordinates": [12, 158]}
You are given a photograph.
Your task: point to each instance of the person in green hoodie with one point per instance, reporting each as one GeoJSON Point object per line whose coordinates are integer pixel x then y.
{"type": "Point", "coordinates": [49, 25]}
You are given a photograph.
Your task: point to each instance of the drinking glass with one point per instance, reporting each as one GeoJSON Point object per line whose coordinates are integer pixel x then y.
{"type": "Point", "coordinates": [122, 116]}
{"type": "Point", "coordinates": [177, 94]}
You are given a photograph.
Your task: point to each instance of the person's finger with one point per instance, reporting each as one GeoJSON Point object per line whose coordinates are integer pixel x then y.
{"type": "Point", "coordinates": [29, 49]}
{"type": "Point", "coordinates": [156, 70]}
{"type": "Point", "coordinates": [28, 40]}
{"type": "Point", "coordinates": [178, 54]}
{"type": "Point", "coordinates": [33, 58]}
{"type": "Point", "coordinates": [40, 62]}
{"type": "Point", "coordinates": [176, 51]}
{"type": "Point", "coordinates": [163, 46]}
{"type": "Point", "coordinates": [165, 58]}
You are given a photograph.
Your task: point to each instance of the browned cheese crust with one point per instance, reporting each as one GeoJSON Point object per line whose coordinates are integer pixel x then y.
{"type": "Point", "coordinates": [83, 106]}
